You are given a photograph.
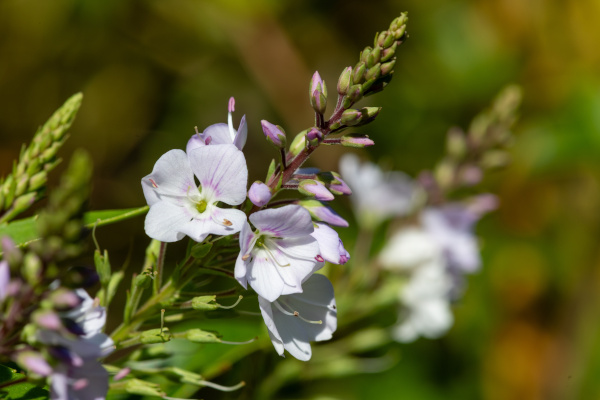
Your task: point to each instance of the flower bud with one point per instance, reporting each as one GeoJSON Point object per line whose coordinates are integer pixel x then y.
{"type": "Point", "coordinates": [200, 336]}
{"type": "Point", "coordinates": [318, 93]}
{"type": "Point", "coordinates": [374, 57]}
{"type": "Point", "coordinates": [387, 67]}
{"type": "Point", "coordinates": [102, 264]}
{"type": "Point", "coordinates": [274, 133]}
{"type": "Point", "coordinates": [4, 279]}
{"type": "Point", "coordinates": [334, 183]}
{"type": "Point", "coordinates": [204, 303]}
{"type": "Point", "coordinates": [456, 143]}
{"type": "Point", "coordinates": [359, 72]}
{"type": "Point", "coordinates": [374, 72]}
{"type": "Point", "coordinates": [321, 212]}
{"type": "Point", "coordinates": [259, 194]}
{"type": "Point", "coordinates": [371, 112]}
{"type": "Point", "coordinates": [142, 281]}
{"type": "Point", "coordinates": [388, 53]}
{"type": "Point", "coordinates": [33, 362]}
{"type": "Point", "coordinates": [32, 268]}
{"type": "Point", "coordinates": [356, 140]}
{"type": "Point", "coordinates": [364, 55]}
{"type": "Point", "coordinates": [351, 117]}
{"type": "Point", "coordinates": [299, 143]}
{"type": "Point", "coordinates": [355, 93]}
{"type": "Point", "coordinates": [23, 202]}
{"type": "Point", "coordinates": [63, 299]}
{"type": "Point", "coordinates": [314, 136]}
{"type": "Point", "coordinates": [344, 81]}
{"type": "Point", "coordinates": [153, 336]}
{"type": "Point", "coordinates": [312, 188]}
{"type": "Point", "coordinates": [47, 319]}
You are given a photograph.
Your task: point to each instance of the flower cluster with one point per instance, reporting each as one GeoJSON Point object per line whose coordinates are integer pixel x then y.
{"type": "Point", "coordinates": [280, 247]}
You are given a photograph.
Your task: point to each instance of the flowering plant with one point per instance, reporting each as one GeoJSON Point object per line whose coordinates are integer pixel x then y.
{"type": "Point", "coordinates": [268, 247]}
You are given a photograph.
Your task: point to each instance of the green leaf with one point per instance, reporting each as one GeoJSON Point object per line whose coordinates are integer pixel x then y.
{"type": "Point", "coordinates": [21, 390]}
{"type": "Point", "coordinates": [24, 231]}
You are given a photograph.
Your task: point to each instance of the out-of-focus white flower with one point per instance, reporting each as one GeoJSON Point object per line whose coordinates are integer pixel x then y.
{"type": "Point", "coordinates": [280, 255]}
{"type": "Point", "coordinates": [295, 320]}
{"type": "Point", "coordinates": [409, 249]}
{"type": "Point", "coordinates": [4, 279]}
{"type": "Point", "coordinates": [178, 207]}
{"type": "Point", "coordinates": [378, 195]}
{"type": "Point", "coordinates": [78, 374]}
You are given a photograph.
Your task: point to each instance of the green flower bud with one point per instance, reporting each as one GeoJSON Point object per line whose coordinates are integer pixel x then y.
{"type": "Point", "coordinates": [203, 303]}
{"type": "Point", "coordinates": [371, 112]}
{"type": "Point", "coordinates": [38, 180]}
{"type": "Point", "coordinates": [102, 264]}
{"type": "Point", "coordinates": [351, 117]}
{"type": "Point", "coordinates": [388, 53]}
{"type": "Point", "coordinates": [356, 140]}
{"type": "Point", "coordinates": [388, 67]}
{"type": "Point", "coordinates": [299, 143]}
{"type": "Point", "coordinates": [359, 72]}
{"type": "Point", "coordinates": [364, 55]}
{"type": "Point", "coordinates": [344, 81]}
{"type": "Point", "coordinates": [139, 387]}
{"type": "Point", "coordinates": [374, 72]}
{"type": "Point", "coordinates": [32, 269]}
{"type": "Point", "coordinates": [374, 57]}
{"type": "Point", "coordinates": [154, 336]}
{"type": "Point", "coordinates": [456, 143]}
{"type": "Point", "coordinates": [200, 336]}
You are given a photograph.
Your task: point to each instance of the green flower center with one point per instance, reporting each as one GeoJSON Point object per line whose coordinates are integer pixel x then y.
{"type": "Point", "coordinates": [260, 241]}
{"type": "Point", "coordinates": [201, 206]}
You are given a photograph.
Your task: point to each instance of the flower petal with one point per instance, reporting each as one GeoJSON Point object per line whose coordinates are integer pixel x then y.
{"type": "Point", "coordinates": [172, 177]}
{"type": "Point", "coordinates": [165, 220]}
{"type": "Point", "coordinates": [329, 243]}
{"type": "Point", "coordinates": [242, 134]}
{"type": "Point", "coordinates": [264, 277]}
{"type": "Point", "coordinates": [267, 314]}
{"type": "Point", "coordinates": [287, 221]}
{"type": "Point", "coordinates": [219, 134]}
{"type": "Point", "coordinates": [222, 171]}
{"type": "Point", "coordinates": [293, 335]}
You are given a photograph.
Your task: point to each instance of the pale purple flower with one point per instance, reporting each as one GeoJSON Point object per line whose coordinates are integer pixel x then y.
{"type": "Point", "coordinates": [4, 279]}
{"type": "Point", "coordinates": [378, 196]}
{"type": "Point", "coordinates": [221, 133]}
{"type": "Point", "coordinates": [179, 207]}
{"type": "Point", "coordinates": [88, 381]}
{"type": "Point", "coordinates": [280, 254]}
{"type": "Point", "coordinates": [330, 244]}
{"type": "Point", "coordinates": [295, 320]}
{"type": "Point", "coordinates": [316, 189]}
{"type": "Point", "coordinates": [259, 194]}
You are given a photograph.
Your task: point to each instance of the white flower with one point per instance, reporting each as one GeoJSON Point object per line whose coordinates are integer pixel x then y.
{"type": "Point", "coordinates": [295, 320]}
{"type": "Point", "coordinates": [426, 302]}
{"type": "Point", "coordinates": [378, 196]}
{"type": "Point", "coordinates": [280, 255]}
{"type": "Point", "coordinates": [179, 207]}
{"type": "Point", "coordinates": [330, 244]}
{"type": "Point", "coordinates": [408, 249]}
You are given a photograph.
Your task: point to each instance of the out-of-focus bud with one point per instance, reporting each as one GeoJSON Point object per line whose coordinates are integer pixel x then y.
{"type": "Point", "coordinates": [356, 140]}
{"type": "Point", "coordinates": [321, 212]}
{"type": "Point", "coordinates": [80, 276]}
{"type": "Point", "coordinates": [139, 387]}
{"type": "Point", "coordinates": [388, 53]}
{"type": "Point", "coordinates": [47, 319]}
{"type": "Point", "coordinates": [33, 362]}
{"type": "Point", "coordinates": [344, 81]}
{"type": "Point", "coordinates": [374, 57]}
{"type": "Point", "coordinates": [387, 67]}
{"type": "Point", "coordinates": [274, 133]}
{"type": "Point", "coordinates": [371, 112]}
{"type": "Point", "coordinates": [205, 303]}
{"type": "Point", "coordinates": [351, 117]}
{"type": "Point", "coordinates": [11, 253]}
{"type": "Point", "coordinates": [121, 374]}
{"type": "Point", "coordinates": [299, 143]}
{"type": "Point", "coordinates": [470, 175]}
{"type": "Point", "coordinates": [259, 194]}
{"type": "Point", "coordinates": [154, 336]}
{"type": "Point", "coordinates": [495, 159]}
{"type": "Point", "coordinates": [334, 183]}
{"type": "Point", "coordinates": [23, 202]}
{"type": "Point", "coordinates": [399, 23]}
{"type": "Point", "coordinates": [456, 143]}
{"type": "Point", "coordinates": [359, 72]}
{"type": "Point", "coordinates": [314, 136]}
{"type": "Point", "coordinates": [200, 336]}
{"type": "Point", "coordinates": [374, 72]}
{"type": "Point", "coordinates": [102, 264]}
{"type": "Point", "coordinates": [142, 281]}
{"type": "Point", "coordinates": [313, 188]}
{"type": "Point", "coordinates": [63, 299]}
{"type": "Point", "coordinates": [444, 173]}
{"type": "Point", "coordinates": [318, 93]}
{"type": "Point", "coordinates": [32, 268]}
{"type": "Point", "coordinates": [4, 279]}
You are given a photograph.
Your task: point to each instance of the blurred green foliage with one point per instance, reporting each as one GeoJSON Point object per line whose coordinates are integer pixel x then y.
{"type": "Point", "coordinates": [528, 326]}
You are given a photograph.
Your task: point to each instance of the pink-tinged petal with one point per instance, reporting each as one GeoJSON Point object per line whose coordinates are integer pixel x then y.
{"type": "Point", "coordinates": [264, 276]}
{"type": "Point", "coordinates": [170, 177]}
{"type": "Point", "coordinates": [321, 212]}
{"type": "Point", "coordinates": [287, 221]}
{"type": "Point", "coordinates": [222, 172]}
{"type": "Point", "coordinates": [218, 133]}
{"type": "Point", "coordinates": [242, 134]}
{"type": "Point", "coordinates": [329, 243]}
{"type": "Point", "coordinates": [197, 140]}
{"type": "Point", "coordinates": [164, 222]}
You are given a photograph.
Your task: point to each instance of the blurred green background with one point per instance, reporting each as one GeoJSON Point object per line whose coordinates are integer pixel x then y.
{"type": "Point", "coordinates": [529, 324]}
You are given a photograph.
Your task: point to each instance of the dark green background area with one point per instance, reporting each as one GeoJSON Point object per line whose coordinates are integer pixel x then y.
{"type": "Point", "coordinates": [150, 71]}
